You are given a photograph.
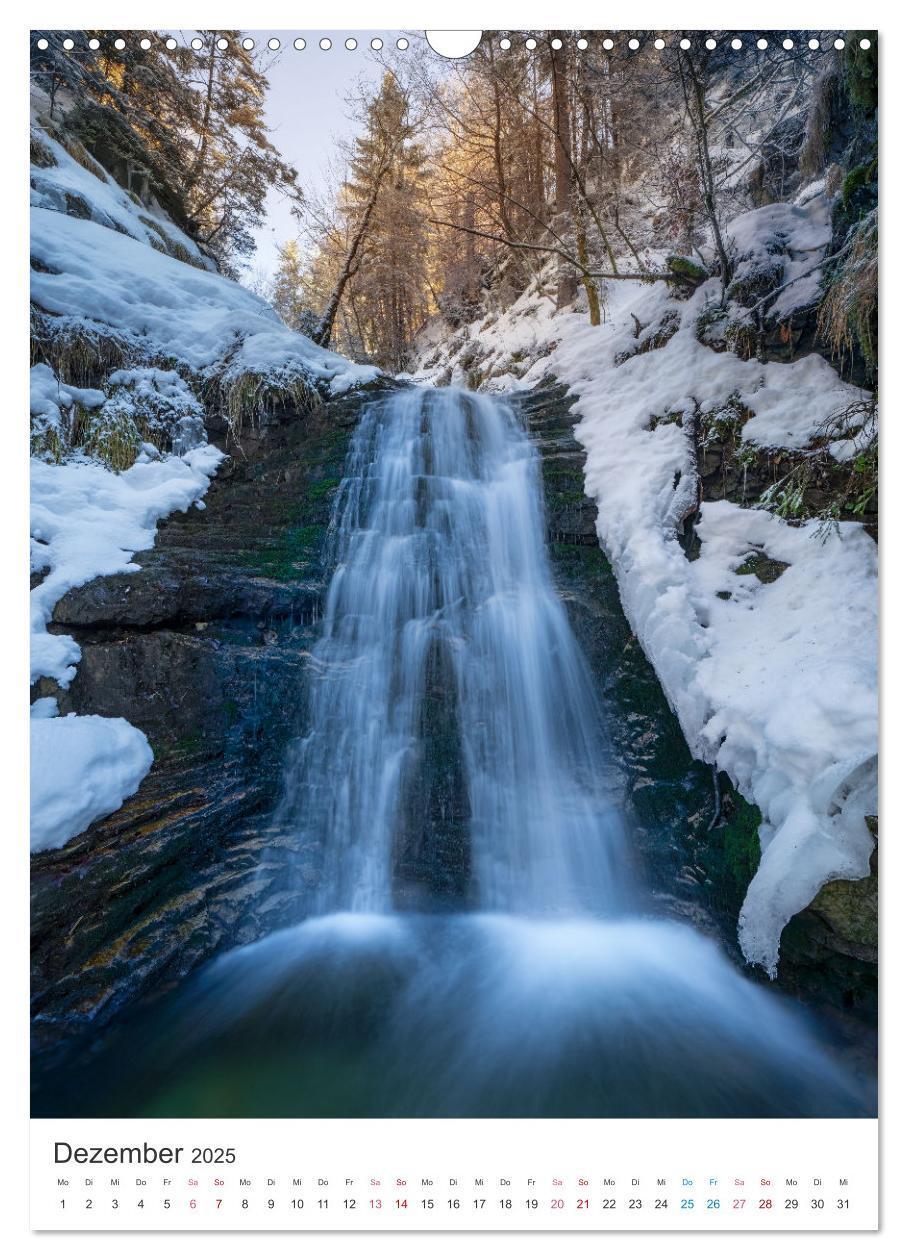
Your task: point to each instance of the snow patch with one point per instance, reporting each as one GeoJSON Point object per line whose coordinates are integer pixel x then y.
{"type": "Point", "coordinates": [82, 768]}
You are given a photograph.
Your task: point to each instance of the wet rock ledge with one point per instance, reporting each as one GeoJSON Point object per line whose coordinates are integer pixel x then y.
{"type": "Point", "coordinates": [202, 649]}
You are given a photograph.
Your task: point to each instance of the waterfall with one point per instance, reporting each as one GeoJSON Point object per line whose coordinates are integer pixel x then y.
{"type": "Point", "coordinates": [442, 609]}
{"type": "Point", "coordinates": [454, 742]}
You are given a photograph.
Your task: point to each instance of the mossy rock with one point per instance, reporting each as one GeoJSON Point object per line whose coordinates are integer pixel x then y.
{"type": "Point", "coordinates": [732, 851]}
{"type": "Point", "coordinates": [686, 271]}
{"type": "Point", "coordinates": [114, 441]}
{"type": "Point", "coordinates": [756, 281]}
{"type": "Point", "coordinates": [762, 567]}
{"type": "Point", "coordinates": [848, 907]}
{"type": "Point", "coordinates": [861, 73]}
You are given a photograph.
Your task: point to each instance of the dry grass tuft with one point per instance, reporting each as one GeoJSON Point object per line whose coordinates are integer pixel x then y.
{"type": "Point", "coordinates": [848, 313]}
{"type": "Point", "coordinates": [249, 399]}
{"type": "Point", "coordinates": [77, 353]}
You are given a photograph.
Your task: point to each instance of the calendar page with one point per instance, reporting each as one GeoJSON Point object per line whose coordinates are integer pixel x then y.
{"type": "Point", "coordinates": [453, 476]}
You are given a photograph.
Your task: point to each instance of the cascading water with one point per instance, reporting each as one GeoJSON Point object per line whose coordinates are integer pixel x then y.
{"type": "Point", "coordinates": [452, 718]}
{"type": "Point", "coordinates": [442, 572]}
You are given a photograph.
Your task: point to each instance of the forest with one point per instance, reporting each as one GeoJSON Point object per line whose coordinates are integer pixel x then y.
{"type": "Point", "coordinates": [582, 325]}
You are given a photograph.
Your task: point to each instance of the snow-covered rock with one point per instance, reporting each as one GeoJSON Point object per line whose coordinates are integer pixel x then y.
{"type": "Point", "coordinates": [106, 271]}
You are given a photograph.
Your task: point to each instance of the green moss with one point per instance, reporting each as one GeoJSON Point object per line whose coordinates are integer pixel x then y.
{"type": "Point", "coordinates": [687, 270]}
{"type": "Point", "coordinates": [320, 490]}
{"type": "Point", "coordinates": [291, 554]}
{"type": "Point", "coordinates": [861, 72]}
{"type": "Point", "coordinates": [563, 485]}
{"type": "Point", "coordinates": [859, 193]}
{"type": "Point", "coordinates": [581, 560]}
{"type": "Point", "coordinates": [188, 745]}
{"type": "Point", "coordinates": [733, 852]}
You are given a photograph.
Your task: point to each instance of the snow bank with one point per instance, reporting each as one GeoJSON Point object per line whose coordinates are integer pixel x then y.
{"type": "Point", "coordinates": [82, 768]}
{"type": "Point", "coordinates": [773, 682]}
{"type": "Point", "coordinates": [776, 682]}
{"type": "Point", "coordinates": [166, 307]}
{"type": "Point", "coordinates": [48, 397]}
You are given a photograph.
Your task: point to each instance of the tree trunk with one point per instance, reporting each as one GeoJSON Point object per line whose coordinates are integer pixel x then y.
{"type": "Point", "coordinates": [322, 335]}
{"type": "Point", "coordinates": [561, 125]}
{"type": "Point", "coordinates": [205, 129]}
{"type": "Point", "coordinates": [503, 212]}
{"type": "Point", "coordinates": [697, 115]}
{"type": "Point", "coordinates": [589, 284]}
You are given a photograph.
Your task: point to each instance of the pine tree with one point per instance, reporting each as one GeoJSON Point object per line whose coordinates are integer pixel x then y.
{"type": "Point", "coordinates": [234, 163]}
{"type": "Point", "coordinates": [383, 231]}
{"type": "Point", "coordinates": [289, 288]}
{"type": "Point", "coordinates": [184, 126]}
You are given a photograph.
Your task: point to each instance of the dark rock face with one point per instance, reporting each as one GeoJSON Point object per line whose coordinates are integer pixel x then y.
{"type": "Point", "coordinates": [203, 649]}
{"type": "Point", "coordinates": [432, 865]}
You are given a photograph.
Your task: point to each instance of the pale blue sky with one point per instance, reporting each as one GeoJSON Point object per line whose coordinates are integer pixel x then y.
{"type": "Point", "coordinates": [307, 115]}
